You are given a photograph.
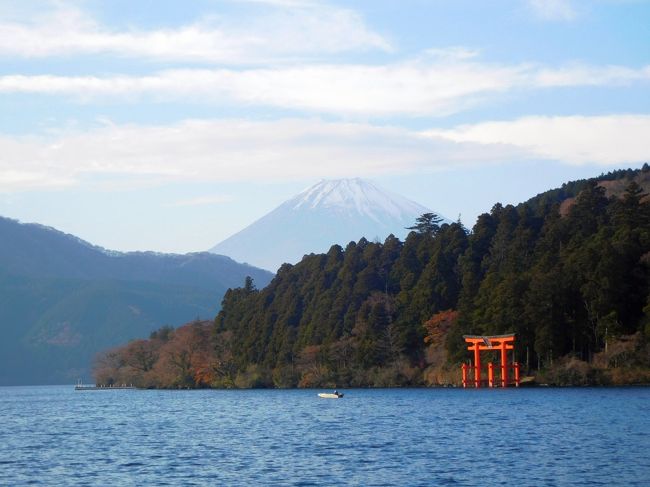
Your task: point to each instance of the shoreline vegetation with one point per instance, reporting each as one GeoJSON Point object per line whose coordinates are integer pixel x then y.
{"type": "Point", "coordinates": [567, 271]}
{"type": "Point", "coordinates": [182, 359]}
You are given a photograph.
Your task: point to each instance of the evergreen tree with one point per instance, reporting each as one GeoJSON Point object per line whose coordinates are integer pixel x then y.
{"type": "Point", "coordinates": [427, 224]}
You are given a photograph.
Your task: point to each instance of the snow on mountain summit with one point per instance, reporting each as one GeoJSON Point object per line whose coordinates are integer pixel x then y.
{"type": "Point", "coordinates": [330, 212]}
{"type": "Point", "coordinates": [356, 195]}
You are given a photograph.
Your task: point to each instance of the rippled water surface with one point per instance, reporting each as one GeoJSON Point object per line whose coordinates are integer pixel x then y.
{"type": "Point", "coordinates": [54, 435]}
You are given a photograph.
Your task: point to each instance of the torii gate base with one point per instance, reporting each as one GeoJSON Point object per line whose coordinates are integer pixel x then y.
{"type": "Point", "coordinates": [478, 344]}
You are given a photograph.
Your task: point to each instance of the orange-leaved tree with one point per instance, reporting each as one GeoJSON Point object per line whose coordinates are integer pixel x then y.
{"type": "Point", "coordinates": [438, 326]}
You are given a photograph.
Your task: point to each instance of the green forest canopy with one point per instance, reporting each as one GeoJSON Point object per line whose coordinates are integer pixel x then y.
{"type": "Point", "coordinates": [567, 271]}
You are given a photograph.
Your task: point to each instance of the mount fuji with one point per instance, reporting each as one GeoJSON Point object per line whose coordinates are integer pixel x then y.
{"type": "Point", "coordinates": [330, 212]}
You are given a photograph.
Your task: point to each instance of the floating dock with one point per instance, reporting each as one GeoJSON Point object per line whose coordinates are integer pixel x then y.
{"type": "Point", "coordinates": [111, 387]}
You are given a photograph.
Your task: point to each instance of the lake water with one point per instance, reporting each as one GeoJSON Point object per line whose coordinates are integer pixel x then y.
{"type": "Point", "coordinates": [54, 435]}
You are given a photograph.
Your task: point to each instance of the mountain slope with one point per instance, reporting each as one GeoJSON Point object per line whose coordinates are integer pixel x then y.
{"type": "Point", "coordinates": [63, 299]}
{"type": "Point", "coordinates": [39, 251]}
{"type": "Point", "coordinates": [330, 212]}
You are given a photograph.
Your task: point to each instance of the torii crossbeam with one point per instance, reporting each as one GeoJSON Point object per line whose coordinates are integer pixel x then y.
{"type": "Point", "coordinates": [479, 344]}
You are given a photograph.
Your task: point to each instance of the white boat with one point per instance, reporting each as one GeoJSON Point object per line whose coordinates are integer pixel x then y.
{"type": "Point", "coordinates": [331, 395]}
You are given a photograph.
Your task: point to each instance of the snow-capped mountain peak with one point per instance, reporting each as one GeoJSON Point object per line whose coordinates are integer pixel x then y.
{"type": "Point", "coordinates": [355, 196]}
{"type": "Point", "coordinates": [330, 212]}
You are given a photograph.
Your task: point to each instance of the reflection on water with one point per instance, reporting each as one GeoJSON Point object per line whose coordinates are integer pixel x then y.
{"type": "Point", "coordinates": [54, 435]}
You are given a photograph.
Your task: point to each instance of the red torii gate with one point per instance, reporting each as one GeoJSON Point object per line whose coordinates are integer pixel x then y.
{"type": "Point", "coordinates": [491, 343]}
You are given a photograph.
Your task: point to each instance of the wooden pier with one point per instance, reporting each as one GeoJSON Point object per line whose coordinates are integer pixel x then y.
{"type": "Point", "coordinates": [111, 387]}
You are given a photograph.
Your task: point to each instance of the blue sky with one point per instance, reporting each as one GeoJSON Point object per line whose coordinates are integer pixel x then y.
{"type": "Point", "coordinates": [170, 125]}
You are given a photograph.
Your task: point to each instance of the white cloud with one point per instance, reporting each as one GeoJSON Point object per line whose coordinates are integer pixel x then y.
{"type": "Point", "coordinates": [610, 139]}
{"type": "Point", "coordinates": [585, 75]}
{"type": "Point", "coordinates": [229, 150]}
{"type": "Point", "coordinates": [288, 31]}
{"type": "Point", "coordinates": [436, 87]}
{"type": "Point", "coordinates": [561, 10]}
{"type": "Point", "coordinates": [118, 156]}
{"type": "Point", "coordinates": [297, 149]}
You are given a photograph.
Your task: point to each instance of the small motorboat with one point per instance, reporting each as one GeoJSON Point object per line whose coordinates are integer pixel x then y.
{"type": "Point", "coordinates": [331, 395]}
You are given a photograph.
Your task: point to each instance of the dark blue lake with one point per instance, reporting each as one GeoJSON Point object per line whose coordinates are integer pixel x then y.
{"type": "Point", "coordinates": [54, 435]}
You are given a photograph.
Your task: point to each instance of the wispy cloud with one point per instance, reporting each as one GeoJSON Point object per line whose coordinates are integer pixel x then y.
{"type": "Point", "coordinates": [611, 139]}
{"type": "Point", "coordinates": [340, 89]}
{"type": "Point", "coordinates": [305, 29]}
{"type": "Point", "coordinates": [297, 149]}
{"type": "Point", "coordinates": [556, 10]}
{"type": "Point", "coordinates": [230, 150]}
{"type": "Point", "coordinates": [261, 64]}
{"type": "Point", "coordinates": [420, 87]}
{"type": "Point", "coordinates": [585, 75]}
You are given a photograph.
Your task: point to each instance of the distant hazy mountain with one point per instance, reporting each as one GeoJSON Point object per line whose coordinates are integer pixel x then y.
{"type": "Point", "coordinates": [330, 212]}
{"type": "Point", "coordinates": [63, 299]}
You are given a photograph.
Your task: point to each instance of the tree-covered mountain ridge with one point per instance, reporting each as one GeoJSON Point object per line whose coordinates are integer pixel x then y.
{"type": "Point", "coordinates": [63, 299]}
{"type": "Point", "coordinates": [567, 271]}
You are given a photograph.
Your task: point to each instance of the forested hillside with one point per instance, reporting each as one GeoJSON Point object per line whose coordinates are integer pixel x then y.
{"type": "Point", "coordinates": [566, 271]}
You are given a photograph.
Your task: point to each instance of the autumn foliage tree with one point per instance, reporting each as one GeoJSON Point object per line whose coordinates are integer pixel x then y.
{"type": "Point", "coordinates": [178, 358]}
{"type": "Point", "coordinates": [438, 326]}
